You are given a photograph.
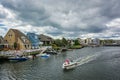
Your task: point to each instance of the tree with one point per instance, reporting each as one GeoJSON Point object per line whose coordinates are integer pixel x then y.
{"type": "Point", "coordinates": [77, 42]}
{"type": "Point", "coordinates": [15, 45]}
{"type": "Point", "coordinates": [64, 41]}
{"type": "Point", "coordinates": [58, 42]}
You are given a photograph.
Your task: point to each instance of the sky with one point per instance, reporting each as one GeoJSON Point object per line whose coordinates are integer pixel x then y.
{"type": "Point", "coordinates": [62, 18]}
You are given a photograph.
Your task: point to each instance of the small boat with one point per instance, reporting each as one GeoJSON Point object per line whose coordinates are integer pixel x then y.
{"type": "Point", "coordinates": [30, 57]}
{"type": "Point", "coordinates": [45, 55]}
{"type": "Point", "coordinates": [64, 49]}
{"type": "Point", "coordinates": [50, 51]}
{"type": "Point", "coordinates": [16, 58]}
{"type": "Point", "coordinates": [69, 64]}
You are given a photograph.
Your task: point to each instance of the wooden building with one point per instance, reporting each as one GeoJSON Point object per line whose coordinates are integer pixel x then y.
{"type": "Point", "coordinates": [17, 40]}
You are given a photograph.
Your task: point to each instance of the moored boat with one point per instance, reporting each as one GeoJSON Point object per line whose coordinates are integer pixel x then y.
{"type": "Point", "coordinates": [45, 55]}
{"type": "Point", "coordinates": [14, 58]}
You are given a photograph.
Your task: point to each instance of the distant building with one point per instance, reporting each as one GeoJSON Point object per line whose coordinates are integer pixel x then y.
{"type": "Point", "coordinates": [17, 40]}
{"type": "Point", "coordinates": [82, 41]}
{"type": "Point", "coordinates": [71, 42]}
{"type": "Point", "coordinates": [3, 43]}
{"type": "Point", "coordinates": [35, 42]}
{"type": "Point", "coordinates": [45, 39]}
{"type": "Point", "coordinates": [96, 41]}
{"type": "Point", "coordinates": [117, 42]}
{"type": "Point", "coordinates": [88, 41]}
{"type": "Point", "coordinates": [110, 42]}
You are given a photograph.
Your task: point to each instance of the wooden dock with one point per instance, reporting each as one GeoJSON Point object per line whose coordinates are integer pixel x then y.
{"type": "Point", "coordinates": [4, 55]}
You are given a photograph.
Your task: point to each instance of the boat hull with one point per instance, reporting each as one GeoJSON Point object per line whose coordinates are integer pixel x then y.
{"type": "Point", "coordinates": [17, 59]}
{"type": "Point", "coordinates": [69, 66]}
{"type": "Point", "coordinates": [45, 56]}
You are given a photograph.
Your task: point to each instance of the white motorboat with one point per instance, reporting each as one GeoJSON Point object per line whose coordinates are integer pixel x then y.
{"type": "Point", "coordinates": [69, 64]}
{"type": "Point", "coordinates": [45, 55]}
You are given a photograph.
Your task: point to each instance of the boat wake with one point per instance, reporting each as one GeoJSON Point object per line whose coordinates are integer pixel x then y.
{"type": "Point", "coordinates": [86, 59]}
{"type": "Point", "coordinates": [101, 56]}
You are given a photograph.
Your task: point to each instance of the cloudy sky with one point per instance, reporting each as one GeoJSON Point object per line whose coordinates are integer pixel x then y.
{"type": "Point", "coordinates": [62, 18]}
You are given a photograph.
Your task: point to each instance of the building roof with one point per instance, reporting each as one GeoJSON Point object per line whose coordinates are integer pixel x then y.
{"type": "Point", "coordinates": [19, 35]}
{"type": "Point", "coordinates": [2, 41]}
{"type": "Point", "coordinates": [44, 38]}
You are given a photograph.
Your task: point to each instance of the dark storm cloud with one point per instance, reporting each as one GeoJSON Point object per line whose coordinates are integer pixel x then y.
{"type": "Point", "coordinates": [75, 16]}
{"type": "Point", "coordinates": [96, 29]}
{"type": "Point", "coordinates": [55, 33]}
{"type": "Point", "coordinates": [110, 9]}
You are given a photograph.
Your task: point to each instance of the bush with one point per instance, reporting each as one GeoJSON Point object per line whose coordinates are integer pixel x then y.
{"type": "Point", "coordinates": [55, 47]}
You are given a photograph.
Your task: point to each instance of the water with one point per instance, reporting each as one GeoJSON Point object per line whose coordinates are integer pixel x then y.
{"type": "Point", "coordinates": [100, 63]}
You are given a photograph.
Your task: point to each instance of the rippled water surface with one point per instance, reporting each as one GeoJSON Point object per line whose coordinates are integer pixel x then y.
{"type": "Point", "coordinates": [99, 63]}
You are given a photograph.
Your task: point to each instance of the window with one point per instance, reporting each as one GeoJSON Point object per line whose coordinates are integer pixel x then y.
{"type": "Point", "coordinates": [25, 46]}
{"type": "Point", "coordinates": [23, 38]}
{"type": "Point", "coordinates": [36, 37]}
{"type": "Point", "coordinates": [10, 35]}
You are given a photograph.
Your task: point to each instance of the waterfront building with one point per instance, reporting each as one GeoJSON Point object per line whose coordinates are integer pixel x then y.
{"type": "Point", "coordinates": [88, 41]}
{"type": "Point", "coordinates": [117, 42]}
{"type": "Point", "coordinates": [17, 40]}
{"type": "Point", "coordinates": [96, 41]}
{"type": "Point", "coordinates": [35, 42]}
{"type": "Point", "coordinates": [45, 39]}
{"type": "Point", "coordinates": [111, 42]}
{"type": "Point", "coordinates": [71, 42]}
{"type": "Point", "coordinates": [3, 43]}
{"type": "Point", "coordinates": [81, 41]}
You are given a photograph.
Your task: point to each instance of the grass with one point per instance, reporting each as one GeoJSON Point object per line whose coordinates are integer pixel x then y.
{"type": "Point", "coordinates": [76, 47]}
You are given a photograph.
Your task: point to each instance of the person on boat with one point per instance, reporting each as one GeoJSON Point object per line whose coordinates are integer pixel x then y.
{"type": "Point", "coordinates": [67, 61]}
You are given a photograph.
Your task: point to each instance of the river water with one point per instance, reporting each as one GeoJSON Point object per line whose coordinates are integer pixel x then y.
{"type": "Point", "coordinates": [99, 63]}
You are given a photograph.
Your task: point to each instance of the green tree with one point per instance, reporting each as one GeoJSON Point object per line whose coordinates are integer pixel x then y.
{"type": "Point", "coordinates": [64, 42]}
{"type": "Point", "coordinates": [15, 45]}
{"type": "Point", "coordinates": [77, 42]}
{"type": "Point", "coordinates": [58, 42]}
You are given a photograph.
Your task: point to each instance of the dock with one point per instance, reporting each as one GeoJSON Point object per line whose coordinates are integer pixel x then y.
{"type": "Point", "coordinates": [4, 55]}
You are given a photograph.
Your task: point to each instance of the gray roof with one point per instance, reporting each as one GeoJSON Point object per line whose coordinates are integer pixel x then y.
{"type": "Point", "coordinates": [44, 38]}
{"type": "Point", "coordinates": [19, 34]}
{"type": "Point", "coordinates": [2, 41]}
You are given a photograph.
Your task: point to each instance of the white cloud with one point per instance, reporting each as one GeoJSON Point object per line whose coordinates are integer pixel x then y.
{"type": "Point", "coordinates": [114, 23]}
{"type": "Point", "coordinates": [69, 18]}
{"type": "Point", "coordinates": [6, 13]}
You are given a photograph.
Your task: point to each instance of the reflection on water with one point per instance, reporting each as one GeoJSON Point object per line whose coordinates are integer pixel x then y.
{"type": "Point", "coordinates": [101, 63]}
